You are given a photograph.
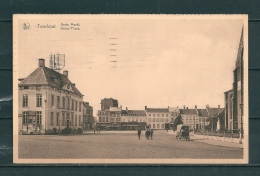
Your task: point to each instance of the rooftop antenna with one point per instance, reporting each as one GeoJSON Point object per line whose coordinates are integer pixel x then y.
{"type": "Point", "coordinates": [57, 62]}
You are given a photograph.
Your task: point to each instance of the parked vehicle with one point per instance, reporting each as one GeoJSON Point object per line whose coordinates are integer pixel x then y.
{"type": "Point", "coordinates": [182, 132]}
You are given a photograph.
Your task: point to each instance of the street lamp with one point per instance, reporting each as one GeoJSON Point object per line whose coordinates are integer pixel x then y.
{"type": "Point", "coordinates": [241, 123]}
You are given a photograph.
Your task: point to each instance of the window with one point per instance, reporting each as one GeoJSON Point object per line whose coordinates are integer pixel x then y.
{"type": "Point", "coordinates": [149, 120]}
{"type": "Point", "coordinates": [149, 115]}
{"type": "Point", "coordinates": [153, 119]}
{"type": "Point", "coordinates": [99, 119]}
{"type": "Point", "coordinates": [51, 118]}
{"type": "Point", "coordinates": [153, 125]}
{"type": "Point", "coordinates": [157, 120]}
{"type": "Point", "coordinates": [76, 120]}
{"type": "Point", "coordinates": [79, 106]}
{"type": "Point", "coordinates": [158, 115]}
{"type": "Point", "coordinates": [57, 118]}
{"type": "Point", "coordinates": [166, 115]}
{"type": "Point", "coordinates": [52, 100]}
{"type": "Point", "coordinates": [166, 120]}
{"type": "Point", "coordinates": [162, 119]}
{"type": "Point", "coordinates": [154, 115]}
{"type": "Point", "coordinates": [72, 118]}
{"type": "Point", "coordinates": [103, 119]}
{"type": "Point", "coordinates": [162, 126]}
{"type": "Point", "coordinates": [63, 102]}
{"type": "Point", "coordinates": [106, 119]}
{"type": "Point", "coordinates": [58, 101]}
{"type": "Point", "coordinates": [76, 106]}
{"type": "Point", "coordinates": [79, 119]}
{"type": "Point", "coordinates": [158, 125]}
{"type": "Point", "coordinates": [39, 100]}
{"type": "Point", "coordinates": [63, 119]}
{"type": "Point", "coordinates": [68, 104]}
{"type": "Point", "coordinates": [25, 100]}
{"type": "Point", "coordinates": [25, 117]}
{"type": "Point", "coordinates": [72, 104]}
{"type": "Point", "coordinates": [111, 119]}
{"type": "Point", "coordinates": [26, 87]}
{"type": "Point", "coordinates": [162, 115]}
{"type": "Point", "coordinates": [117, 119]}
{"type": "Point", "coordinates": [39, 117]}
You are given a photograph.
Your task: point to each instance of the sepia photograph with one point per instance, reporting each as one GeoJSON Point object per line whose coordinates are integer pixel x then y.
{"type": "Point", "coordinates": [130, 89]}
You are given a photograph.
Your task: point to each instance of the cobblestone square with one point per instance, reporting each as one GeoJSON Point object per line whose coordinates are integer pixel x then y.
{"type": "Point", "coordinates": [120, 145]}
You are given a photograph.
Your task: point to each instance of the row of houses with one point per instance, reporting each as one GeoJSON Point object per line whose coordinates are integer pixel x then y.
{"type": "Point", "coordinates": [115, 117]}
{"type": "Point", "coordinates": [49, 102]}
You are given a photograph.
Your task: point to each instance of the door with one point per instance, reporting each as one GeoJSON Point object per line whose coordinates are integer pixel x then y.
{"type": "Point", "coordinates": [68, 123]}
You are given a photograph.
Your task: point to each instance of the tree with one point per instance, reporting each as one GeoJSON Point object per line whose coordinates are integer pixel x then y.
{"type": "Point", "coordinates": [177, 121]}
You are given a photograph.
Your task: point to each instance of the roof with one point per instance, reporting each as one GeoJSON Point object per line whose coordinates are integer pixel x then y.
{"type": "Point", "coordinates": [203, 112]}
{"type": "Point", "coordinates": [188, 111]}
{"type": "Point", "coordinates": [115, 109]}
{"type": "Point", "coordinates": [139, 112]}
{"type": "Point", "coordinates": [157, 110]}
{"type": "Point", "coordinates": [173, 109]}
{"type": "Point", "coordinates": [214, 111]}
{"type": "Point", "coordinates": [47, 76]}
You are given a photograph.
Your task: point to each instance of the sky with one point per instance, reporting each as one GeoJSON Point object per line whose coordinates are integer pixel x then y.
{"type": "Point", "coordinates": [148, 60]}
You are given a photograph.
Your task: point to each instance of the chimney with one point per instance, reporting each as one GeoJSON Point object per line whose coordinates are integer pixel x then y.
{"type": "Point", "coordinates": [187, 107]}
{"type": "Point", "coordinates": [218, 106]}
{"type": "Point", "coordinates": [184, 107]}
{"type": "Point", "coordinates": [41, 63]}
{"type": "Point", "coordinates": [126, 108]}
{"type": "Point", "coordinates": [207, 106]}
{"type": "Point", "coordinates": [145, 107]}
{"type": "Point", "coordinates": [66, 73]}
{"type": "Point", "coordinates": [195, 106]}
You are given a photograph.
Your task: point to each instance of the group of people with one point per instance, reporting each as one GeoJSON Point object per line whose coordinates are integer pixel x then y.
{"type": "Point", "coordinates": [148, 134]}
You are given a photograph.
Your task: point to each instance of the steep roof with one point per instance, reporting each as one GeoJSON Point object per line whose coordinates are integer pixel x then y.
{"type": "Point", "coordinates": [46, 76]}
{"type": "Point", "coordinates": [214, 111]}
{"type": "Point", "coordinates": [203, 112]}
{"type": "Point", "coordinates": [188, 111]}
{"type": "Point", "coordinates": [157, 110]}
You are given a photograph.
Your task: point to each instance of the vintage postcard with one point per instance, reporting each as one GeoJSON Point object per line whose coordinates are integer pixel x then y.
{"type": "Point", "coordinates": [130, 89]}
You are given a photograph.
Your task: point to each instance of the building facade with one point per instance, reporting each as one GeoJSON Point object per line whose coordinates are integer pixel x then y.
{"type": "Point", "coordinates": [157, 118]}
{"type": "Point", "coordinates": [133, 119]}
{"type": "Point", "coordinates": [88, 118]}
{"type": "Point", "coordinates": [234, 101]}
{"type": "Point", "coordinates": [48, 102]}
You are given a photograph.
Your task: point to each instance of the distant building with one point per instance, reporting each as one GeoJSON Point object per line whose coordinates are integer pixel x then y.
{"type": "Point", "coordinates": [234, 102]}
{"type": "Point", "coordinates": [190, 117]}
{"type": "Point", "coordinates": [106, 103]}
{"type": "Point", "coordinates": [157, 117]}
{"type": "Point", "coordinates": [88, 118]}
{"type": "Point", "coordinates": [133, 119]}
{"type": "Point", "coordinates": [48, 102]}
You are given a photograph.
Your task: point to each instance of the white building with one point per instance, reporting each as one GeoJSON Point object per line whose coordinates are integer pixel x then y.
{"type": "Point", "coordinates": [49, 102]}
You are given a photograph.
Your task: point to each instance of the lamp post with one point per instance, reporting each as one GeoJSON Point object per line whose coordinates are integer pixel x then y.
{"type": "Point", "coordinates": [241, 123]}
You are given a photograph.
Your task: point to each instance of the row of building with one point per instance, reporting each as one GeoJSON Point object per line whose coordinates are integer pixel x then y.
{"type": "Point", "coordinates": [49, 102]}
{"type": "Point", "coordinates": [113, 116]}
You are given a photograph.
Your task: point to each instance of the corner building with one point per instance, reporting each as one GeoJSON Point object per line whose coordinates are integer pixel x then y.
{"type": "Point", "coordinates": [49, 102]}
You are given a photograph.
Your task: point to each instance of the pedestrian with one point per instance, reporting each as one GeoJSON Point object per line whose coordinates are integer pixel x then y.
{"type": "Point", "coordinates": [146, 134]}
{"type": "Point", "coordinates": [139, 133]}
{"type": "Point", "coordinates": [151, 134]}
{"type": "Point", "coordinates": [167, 130]}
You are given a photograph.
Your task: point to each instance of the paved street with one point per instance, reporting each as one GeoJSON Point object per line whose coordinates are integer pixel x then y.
{"type": "Point", "coordinates": [119, 145]}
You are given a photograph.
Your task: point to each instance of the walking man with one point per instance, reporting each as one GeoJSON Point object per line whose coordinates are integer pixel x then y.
{"type": "Point", "coordinates": [139, 133]}
{"type": "Point", "coordinates": [151, 134]}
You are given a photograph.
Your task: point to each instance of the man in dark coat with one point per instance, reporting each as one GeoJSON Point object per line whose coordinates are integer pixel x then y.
{"type": "Point", "coordinates": [151, 134]}
{"type": "Point", "coordinates": [139, 133]}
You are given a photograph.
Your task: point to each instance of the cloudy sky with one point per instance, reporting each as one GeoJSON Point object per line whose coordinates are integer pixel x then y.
{"type": "Point", "coordinates": [149, 60]}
